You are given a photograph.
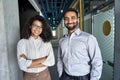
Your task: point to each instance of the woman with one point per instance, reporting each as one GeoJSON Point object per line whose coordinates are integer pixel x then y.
{"type": "Point", "coordinates": [34, 50]}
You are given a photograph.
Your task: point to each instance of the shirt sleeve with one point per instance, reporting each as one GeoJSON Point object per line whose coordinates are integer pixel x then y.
{"type": "Point", "coordinates": [23, 63]}
{"type": "Point", "coordinates": [50, 61]}
{"type": "Point", "coordinates": [95, 54]}
{"type": "Point", "coordinates": [59, 62]}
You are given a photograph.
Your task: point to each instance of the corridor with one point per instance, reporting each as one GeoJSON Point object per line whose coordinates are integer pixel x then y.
{"type": "Point", "coordinates": [97, 17]}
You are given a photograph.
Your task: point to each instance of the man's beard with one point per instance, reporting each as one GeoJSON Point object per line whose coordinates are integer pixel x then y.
{"type": "Point", "coordinates": [72, 27]}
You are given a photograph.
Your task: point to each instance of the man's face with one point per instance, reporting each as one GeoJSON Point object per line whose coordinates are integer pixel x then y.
{"type": "Point", "coordinates": [70, 20]}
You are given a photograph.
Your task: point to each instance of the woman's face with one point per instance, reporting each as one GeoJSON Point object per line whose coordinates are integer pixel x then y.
{"type": "Point", "coordinates": [36, 29]}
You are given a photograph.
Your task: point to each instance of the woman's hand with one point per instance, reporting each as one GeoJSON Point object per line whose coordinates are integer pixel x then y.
{"type": "Point", "coordinates": [23, 56]}
{"type": "Point", "coordinates": [37, 63]}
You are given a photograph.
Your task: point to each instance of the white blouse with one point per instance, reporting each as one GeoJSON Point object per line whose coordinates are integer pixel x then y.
{"type": "Point", "coordinates": [34, 49]}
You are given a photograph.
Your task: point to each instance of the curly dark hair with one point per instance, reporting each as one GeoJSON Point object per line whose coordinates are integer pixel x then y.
{"type": "Point", "coordinates": [46, 34]}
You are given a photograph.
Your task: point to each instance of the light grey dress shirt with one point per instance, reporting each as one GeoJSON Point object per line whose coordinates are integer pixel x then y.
{"type": "Point", "coordinates": [34, 49]}
{"type": "Point", "coordinates": [74, 53]}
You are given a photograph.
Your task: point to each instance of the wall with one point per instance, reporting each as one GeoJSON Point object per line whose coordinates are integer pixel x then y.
{"type": "Point", "coordinates": [3, 49]}
{"type": "Point", "coordinates": [9, 36]}
{"type": "Point", "coordinates": [117, 41]}
{"type": "Point", "coordinates": [106, 43]}
{"type": "Point", "coordinates": [88, 23]}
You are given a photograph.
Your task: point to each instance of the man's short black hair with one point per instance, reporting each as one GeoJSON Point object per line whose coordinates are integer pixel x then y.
{"type": "Point", "coordinates": [71, 10]}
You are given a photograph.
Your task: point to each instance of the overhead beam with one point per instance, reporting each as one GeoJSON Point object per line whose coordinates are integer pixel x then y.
{"type": "Point", "coordinates": [74, 4]}
{"type": "Point", "coordinates": [36, 6]}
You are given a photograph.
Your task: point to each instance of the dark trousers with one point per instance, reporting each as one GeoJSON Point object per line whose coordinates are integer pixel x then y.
{"type": "Point", "coordinates": [65, 76]}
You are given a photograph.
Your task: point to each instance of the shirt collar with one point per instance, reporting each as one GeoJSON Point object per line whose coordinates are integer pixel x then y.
{"type": "Point", "coordinates": [32, 38]}
{"type": "Point", "coordinates": [77, 32]}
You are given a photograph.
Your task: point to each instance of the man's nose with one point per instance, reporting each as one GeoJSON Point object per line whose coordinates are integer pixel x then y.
{"type": "Point", "coordinates": [69, 20]}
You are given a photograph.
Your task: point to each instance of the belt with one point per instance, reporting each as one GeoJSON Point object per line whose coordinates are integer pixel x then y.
{"type": "Point", "coordinates": [77, 77]}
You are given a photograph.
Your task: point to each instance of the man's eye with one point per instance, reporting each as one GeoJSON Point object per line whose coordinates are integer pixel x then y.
{"type": "Point", "coordinates": [65, 18]}
{"type": "Point", "coordinates": [73, 18]}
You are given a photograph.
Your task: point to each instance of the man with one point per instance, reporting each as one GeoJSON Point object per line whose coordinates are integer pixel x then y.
{"type": "Point", "coordinates": [79, 56]}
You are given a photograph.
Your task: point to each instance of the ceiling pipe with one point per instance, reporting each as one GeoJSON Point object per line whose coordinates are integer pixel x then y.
{"type": "Point", "coordinates": [102, 6]}
{"type": "Point", "coordinates": [47, 5]}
